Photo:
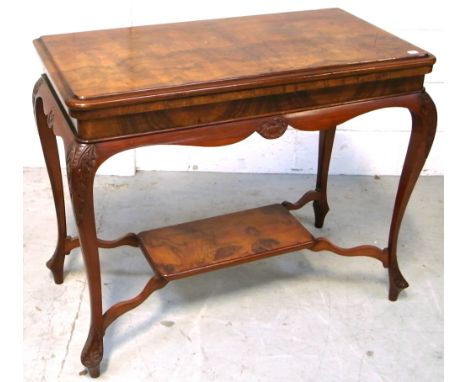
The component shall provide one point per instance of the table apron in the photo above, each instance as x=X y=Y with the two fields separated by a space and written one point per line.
x=97 y=125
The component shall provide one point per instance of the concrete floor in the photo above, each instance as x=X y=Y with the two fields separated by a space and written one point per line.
x=298 y=317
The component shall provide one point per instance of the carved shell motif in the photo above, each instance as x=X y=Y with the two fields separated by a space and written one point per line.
x=273 y=128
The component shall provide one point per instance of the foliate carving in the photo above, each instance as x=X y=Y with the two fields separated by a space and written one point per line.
x=93 y=350
x=273 y=128
x=81 y=165
x=94 y=356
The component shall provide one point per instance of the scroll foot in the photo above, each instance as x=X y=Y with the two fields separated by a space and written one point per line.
x=92 y=353
x=396 y=281
x=55 y=263
x=321 y=209
x=94 y=372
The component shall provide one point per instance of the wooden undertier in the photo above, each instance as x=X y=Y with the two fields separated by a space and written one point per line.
x=208 y=244
x=221 y=241
x=204 y=245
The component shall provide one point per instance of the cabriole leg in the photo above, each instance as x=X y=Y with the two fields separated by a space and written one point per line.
x=321 y=207
x=49 y=148
x=424 y=122
x=81 y=167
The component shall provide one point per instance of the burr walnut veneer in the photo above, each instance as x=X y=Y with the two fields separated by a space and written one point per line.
x=211 y=83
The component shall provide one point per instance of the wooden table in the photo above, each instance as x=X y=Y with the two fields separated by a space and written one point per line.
x=211 y=83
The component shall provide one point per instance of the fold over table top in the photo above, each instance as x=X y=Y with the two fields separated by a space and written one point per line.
x=127 y=66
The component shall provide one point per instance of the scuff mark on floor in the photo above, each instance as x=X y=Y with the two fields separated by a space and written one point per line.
x=67 y=348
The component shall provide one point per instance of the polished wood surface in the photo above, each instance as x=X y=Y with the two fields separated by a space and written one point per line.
x=137 y=80
x=221 y=241
x=102 y=124
x=132 y=64
x=104 y=93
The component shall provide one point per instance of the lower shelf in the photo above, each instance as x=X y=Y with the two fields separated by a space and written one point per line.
x=203 y=245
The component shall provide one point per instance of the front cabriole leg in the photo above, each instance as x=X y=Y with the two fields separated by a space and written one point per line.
x=81 y=167
x=424 y=122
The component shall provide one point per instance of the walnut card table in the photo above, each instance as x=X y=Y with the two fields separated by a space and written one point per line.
x=212 y=83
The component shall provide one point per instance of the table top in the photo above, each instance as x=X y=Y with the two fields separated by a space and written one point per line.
x=125 y=66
